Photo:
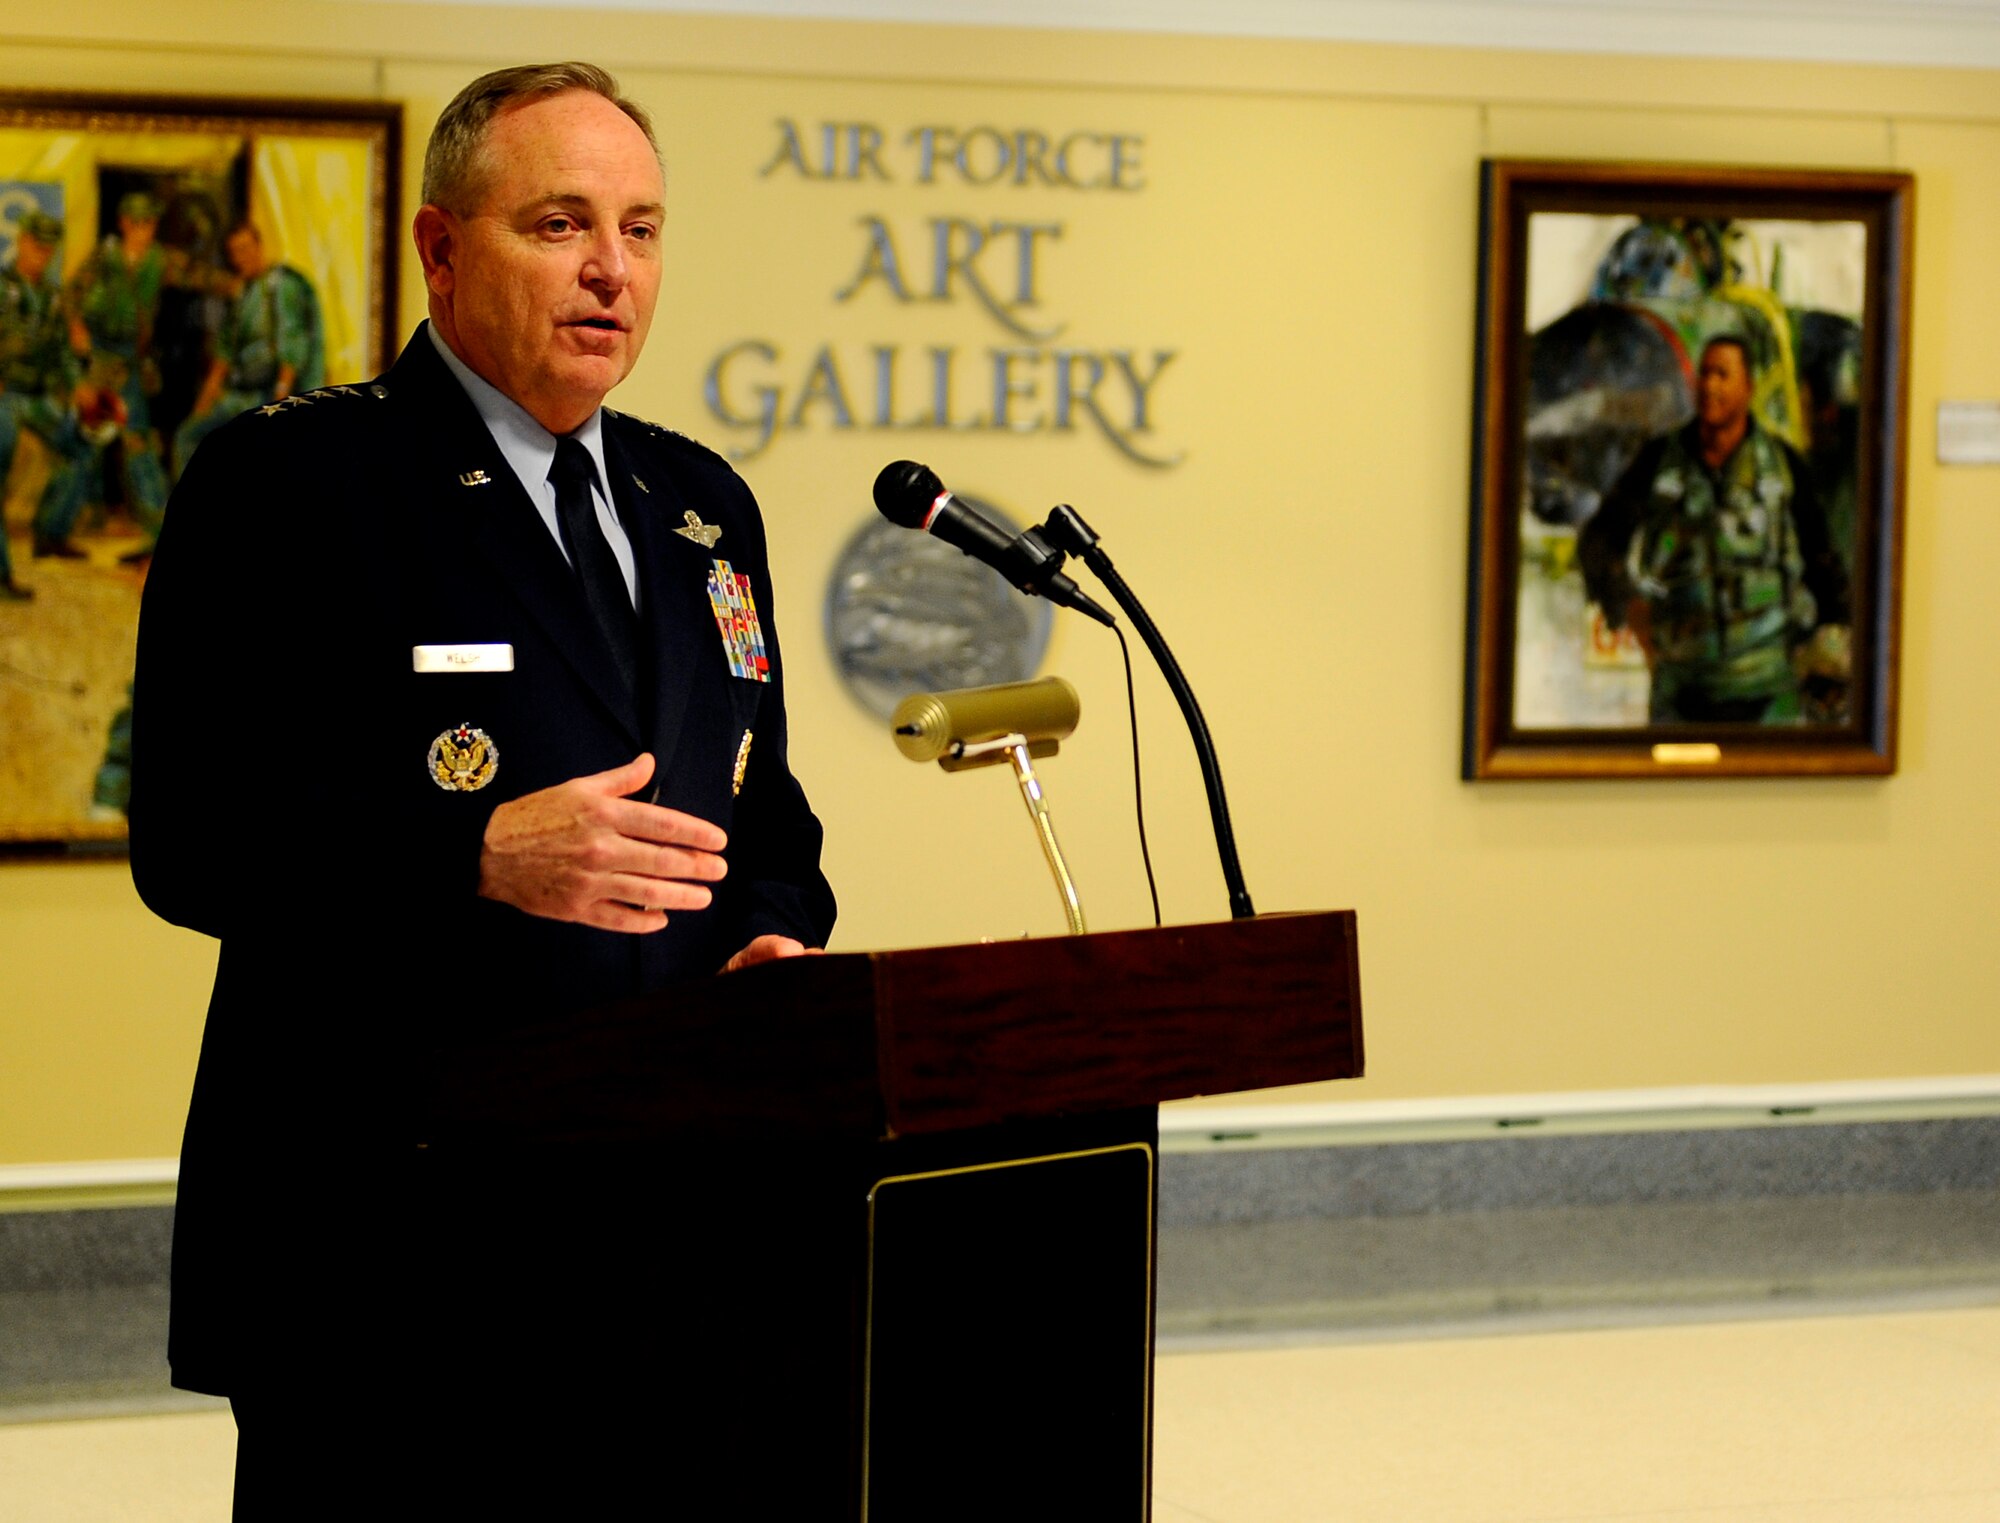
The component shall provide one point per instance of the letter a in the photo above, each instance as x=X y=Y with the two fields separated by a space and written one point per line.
x=878 y=262
x=790 y=151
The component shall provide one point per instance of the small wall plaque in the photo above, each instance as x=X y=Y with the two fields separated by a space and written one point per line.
x=1968 y=433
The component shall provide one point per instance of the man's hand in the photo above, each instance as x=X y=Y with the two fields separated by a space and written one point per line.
x=211 y=390
x=1639 y=619
x=1828 y=655
x=584 y=852
x=769 y=949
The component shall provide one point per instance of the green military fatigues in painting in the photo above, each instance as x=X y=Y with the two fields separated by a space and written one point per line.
x=37 y=372
x=1735 y=564
x=118 y=301
x=273 y=325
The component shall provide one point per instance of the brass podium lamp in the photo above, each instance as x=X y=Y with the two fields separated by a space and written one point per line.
x=978 y=726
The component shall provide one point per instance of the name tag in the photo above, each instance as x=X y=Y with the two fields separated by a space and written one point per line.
x=462 y=658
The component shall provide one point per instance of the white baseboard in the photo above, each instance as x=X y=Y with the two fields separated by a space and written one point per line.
x=140 y=1178
x=1195 y=1125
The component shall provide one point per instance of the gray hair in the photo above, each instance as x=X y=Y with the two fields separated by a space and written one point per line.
x=454 y=159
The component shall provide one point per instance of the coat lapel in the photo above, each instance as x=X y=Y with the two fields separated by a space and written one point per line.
x=471 y=479
x=674 y=616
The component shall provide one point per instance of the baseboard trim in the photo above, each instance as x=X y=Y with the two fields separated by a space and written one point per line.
x=95 y=1183
x=1203 y=1125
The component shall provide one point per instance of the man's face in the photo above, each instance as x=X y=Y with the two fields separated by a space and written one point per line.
x=546 y=288
x=1722 y=388
x=137 y=233
x=31 y=257
x=246 y=252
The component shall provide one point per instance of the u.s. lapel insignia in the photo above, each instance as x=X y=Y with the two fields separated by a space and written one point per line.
x=473 y=478
x=742 y=765
x=702 y=534
x=735 y=608
x=463 y=760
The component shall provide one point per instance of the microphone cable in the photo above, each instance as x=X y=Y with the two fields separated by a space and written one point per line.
x=1138 y=785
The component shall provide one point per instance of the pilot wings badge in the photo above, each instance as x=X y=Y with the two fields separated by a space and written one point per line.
x=702 y=534
x=463 y=760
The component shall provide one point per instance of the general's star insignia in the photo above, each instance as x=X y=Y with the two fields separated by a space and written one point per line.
x=463 y=760
x=702 y=534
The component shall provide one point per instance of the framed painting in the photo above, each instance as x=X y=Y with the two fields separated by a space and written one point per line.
x=165 y=264
x=1687 y=472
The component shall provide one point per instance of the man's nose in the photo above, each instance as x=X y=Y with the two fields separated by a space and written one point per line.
x=607 y=266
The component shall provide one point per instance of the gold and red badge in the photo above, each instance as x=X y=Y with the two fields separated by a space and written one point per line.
x=464 y=760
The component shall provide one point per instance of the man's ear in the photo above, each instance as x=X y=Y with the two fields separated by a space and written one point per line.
x=436 y=233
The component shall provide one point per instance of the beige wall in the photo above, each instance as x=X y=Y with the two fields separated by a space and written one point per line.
x=1306 y=242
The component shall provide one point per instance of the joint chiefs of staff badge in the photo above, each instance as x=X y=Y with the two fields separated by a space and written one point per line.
x=463 y=760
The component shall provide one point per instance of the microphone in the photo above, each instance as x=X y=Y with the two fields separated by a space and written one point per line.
x=911 y=495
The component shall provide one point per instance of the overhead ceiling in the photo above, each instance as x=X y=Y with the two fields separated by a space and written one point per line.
x=1946 y=32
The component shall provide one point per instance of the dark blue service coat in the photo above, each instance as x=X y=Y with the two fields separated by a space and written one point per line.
x=284 y=801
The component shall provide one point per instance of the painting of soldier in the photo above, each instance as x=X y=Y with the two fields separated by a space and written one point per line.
x=163 y=267
x=1687 y=502
x=268 y=345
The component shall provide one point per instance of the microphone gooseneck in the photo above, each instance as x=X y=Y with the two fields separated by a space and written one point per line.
x=911 y=495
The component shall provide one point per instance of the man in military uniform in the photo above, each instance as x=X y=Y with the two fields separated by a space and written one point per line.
x=451 y=744
x=1713 y=547
x=114 y=299
x=269 y=347
x=38 y=375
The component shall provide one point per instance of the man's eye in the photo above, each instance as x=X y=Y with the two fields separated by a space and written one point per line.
x=642 y=231
x=558 y=225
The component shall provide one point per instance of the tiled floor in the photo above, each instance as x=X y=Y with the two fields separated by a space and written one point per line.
x=1888 y=1417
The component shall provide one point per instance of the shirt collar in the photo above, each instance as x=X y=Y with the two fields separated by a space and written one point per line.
x=528 y=448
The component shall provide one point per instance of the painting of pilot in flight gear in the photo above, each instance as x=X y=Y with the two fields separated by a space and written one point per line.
x=1689 y=460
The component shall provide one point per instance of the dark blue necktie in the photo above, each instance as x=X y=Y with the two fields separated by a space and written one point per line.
x=604 y=590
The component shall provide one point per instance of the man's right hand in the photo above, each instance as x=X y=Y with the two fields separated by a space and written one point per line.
x=584 y=852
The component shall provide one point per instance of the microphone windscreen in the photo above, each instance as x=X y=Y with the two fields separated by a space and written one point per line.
x=905 y=491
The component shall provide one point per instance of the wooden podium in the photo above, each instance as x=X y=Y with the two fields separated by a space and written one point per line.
x=934 y=1175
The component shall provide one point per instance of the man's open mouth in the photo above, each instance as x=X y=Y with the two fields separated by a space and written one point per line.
x=606 y=324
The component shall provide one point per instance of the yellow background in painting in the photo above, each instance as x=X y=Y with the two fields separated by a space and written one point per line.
x=309 y=197
x=1307 y=242
x=71 y=160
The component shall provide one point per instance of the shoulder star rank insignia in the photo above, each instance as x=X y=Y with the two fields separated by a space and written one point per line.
x=463 y=760
x=702 y=534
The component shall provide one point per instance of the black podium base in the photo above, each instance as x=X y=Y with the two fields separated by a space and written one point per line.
x=1005 y=1352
